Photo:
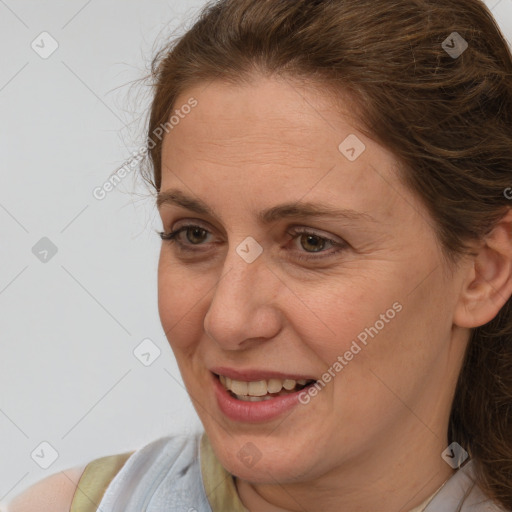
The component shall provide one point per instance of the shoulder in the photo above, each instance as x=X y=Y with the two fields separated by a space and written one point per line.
x=77 y=488
x=164 y=473
x=54 y=493
x=106 y=478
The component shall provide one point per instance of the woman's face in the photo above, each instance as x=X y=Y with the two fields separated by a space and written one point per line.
x=255 y=291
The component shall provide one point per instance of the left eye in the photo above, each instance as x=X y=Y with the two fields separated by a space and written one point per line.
x=195 y=235
x=315 y=241
x=318 y=242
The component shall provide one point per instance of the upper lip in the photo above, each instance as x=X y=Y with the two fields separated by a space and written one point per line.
x=253 y=375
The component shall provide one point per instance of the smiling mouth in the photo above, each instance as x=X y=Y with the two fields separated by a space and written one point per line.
x=257 y=391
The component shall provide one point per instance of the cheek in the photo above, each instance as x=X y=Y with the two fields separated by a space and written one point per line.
x=345 y=312
x=388 y=356
x=180 y=303
x=359 y=330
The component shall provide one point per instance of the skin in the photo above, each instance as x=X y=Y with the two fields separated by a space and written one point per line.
x=54 y=493
x=372 y=438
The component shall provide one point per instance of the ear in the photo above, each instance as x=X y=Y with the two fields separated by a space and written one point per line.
x=488 y=284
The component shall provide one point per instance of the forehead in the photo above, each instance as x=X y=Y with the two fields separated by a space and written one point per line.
x=276 y=141
x=267 y=113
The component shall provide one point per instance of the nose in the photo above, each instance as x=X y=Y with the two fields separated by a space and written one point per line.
x=243 y=309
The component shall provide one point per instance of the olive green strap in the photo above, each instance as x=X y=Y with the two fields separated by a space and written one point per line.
x=94 y=482
x=219 y=485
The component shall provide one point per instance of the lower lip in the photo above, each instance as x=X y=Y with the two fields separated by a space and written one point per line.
x=253 y=412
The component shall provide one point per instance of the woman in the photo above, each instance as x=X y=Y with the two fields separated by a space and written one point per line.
x=336 y=267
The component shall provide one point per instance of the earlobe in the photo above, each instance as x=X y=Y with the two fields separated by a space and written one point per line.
x=488 y=284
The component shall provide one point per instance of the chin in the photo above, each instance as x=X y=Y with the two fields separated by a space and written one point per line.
x=262 y=460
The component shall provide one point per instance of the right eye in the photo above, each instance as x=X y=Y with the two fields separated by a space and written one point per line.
x=193 y=232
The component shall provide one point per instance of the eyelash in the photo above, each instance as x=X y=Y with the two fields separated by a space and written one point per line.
x=294 y=233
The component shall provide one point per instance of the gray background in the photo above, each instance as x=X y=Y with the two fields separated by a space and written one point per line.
x=70 y=324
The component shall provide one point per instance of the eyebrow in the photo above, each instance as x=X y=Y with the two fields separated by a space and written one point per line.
x=294 y=209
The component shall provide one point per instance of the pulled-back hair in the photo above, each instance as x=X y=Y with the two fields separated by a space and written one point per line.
x=447 y=119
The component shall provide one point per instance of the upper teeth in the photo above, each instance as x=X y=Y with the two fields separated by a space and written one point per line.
x=260 y=387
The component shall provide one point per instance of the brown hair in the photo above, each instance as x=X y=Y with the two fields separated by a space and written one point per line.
x=447 y=119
